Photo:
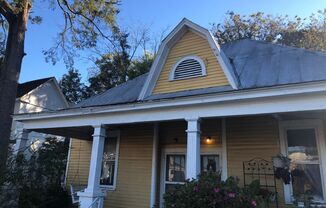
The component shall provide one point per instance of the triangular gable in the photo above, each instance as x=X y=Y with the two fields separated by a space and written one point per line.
x=185 y=26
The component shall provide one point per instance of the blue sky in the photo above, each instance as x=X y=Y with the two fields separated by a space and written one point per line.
x=156 y=14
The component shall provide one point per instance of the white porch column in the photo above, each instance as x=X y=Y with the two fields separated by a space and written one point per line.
x=21 y=141
x=224 y=151
x=193 y=148
x=92 y=196
x=154 y=165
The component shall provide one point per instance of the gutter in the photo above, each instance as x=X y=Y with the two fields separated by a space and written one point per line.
x=284 y=90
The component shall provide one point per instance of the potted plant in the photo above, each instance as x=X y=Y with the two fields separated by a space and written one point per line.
x=281 y=161
x=282 y=168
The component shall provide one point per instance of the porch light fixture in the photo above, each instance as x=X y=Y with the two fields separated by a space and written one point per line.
x=208 y=140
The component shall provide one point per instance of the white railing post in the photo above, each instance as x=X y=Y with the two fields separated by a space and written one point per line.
x=193 y=148
x=93 y=191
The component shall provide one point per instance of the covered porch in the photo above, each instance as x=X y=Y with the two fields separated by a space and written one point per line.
x=225 y=128
x=133 y=164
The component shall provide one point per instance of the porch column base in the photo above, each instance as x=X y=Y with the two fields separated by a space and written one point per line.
x=89 y=199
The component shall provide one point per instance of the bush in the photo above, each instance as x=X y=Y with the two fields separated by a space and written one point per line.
x=209 y=191
x=35 y=182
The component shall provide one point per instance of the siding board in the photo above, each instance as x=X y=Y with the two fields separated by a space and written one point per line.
x=191 y=44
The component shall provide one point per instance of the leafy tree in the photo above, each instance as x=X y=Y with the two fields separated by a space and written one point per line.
x=117 y=67
x=71 y=86
x=308 y=33
x=87 y=24
x=36 y=182
x=140 y=66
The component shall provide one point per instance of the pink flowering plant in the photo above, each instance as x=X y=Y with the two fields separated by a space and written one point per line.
x=209 y=191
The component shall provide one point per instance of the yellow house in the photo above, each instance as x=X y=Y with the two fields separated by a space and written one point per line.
x=201 y=106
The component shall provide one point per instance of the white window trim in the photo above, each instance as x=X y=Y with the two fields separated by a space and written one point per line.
x=183 y=151
x=200 y=61
x=316 y=124
x=115 y=133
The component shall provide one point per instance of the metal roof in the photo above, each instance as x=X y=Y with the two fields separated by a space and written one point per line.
x=125 y=93
x=260 y=64
x=254 y=63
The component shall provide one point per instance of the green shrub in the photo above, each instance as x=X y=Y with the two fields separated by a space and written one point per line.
x=209 y=191
x=35 y=182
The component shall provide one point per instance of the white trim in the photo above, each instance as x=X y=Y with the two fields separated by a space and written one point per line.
x=114 y=133
x=224 y=150
x=204 y=107
x=154 y=165
x=279 y=103
x=223 y=61
x=169 y=41
x=199 y=60
x=320 y=140
x=68 y=161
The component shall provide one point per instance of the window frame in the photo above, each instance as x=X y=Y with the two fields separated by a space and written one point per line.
x=200 y=61
x=317 y=125
x=115 y=133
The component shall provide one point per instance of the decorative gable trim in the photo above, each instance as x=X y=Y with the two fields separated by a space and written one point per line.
x=175 y=35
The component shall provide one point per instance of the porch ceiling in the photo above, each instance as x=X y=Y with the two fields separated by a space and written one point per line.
x=84 y=132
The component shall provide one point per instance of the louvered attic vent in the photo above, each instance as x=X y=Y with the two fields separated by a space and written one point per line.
x=188 y=67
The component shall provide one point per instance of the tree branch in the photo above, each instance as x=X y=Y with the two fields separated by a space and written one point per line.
x=7 y=10
x=88 y=19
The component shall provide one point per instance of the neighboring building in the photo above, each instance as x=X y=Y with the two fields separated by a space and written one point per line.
x=201 y=106
x=35 y=96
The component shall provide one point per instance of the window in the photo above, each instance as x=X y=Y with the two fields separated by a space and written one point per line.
x=110 y=161
x=305 y=165
x=175 y=171
x=188 y=67
x=304 y=143
x=210 y=163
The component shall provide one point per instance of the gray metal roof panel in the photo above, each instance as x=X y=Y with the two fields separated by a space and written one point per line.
x=261 y=64
x=125 y=93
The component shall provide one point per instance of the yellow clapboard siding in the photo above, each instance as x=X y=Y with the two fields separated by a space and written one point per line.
x=79 y=161
x=252 y=137
x=191 y=44
x=134 y=167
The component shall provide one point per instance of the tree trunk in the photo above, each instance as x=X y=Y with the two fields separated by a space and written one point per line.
x=9 y=76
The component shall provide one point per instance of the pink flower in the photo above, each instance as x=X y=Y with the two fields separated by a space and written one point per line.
x=231 y=195
x=216 y=190
x=253 y=203
x=196 y=189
